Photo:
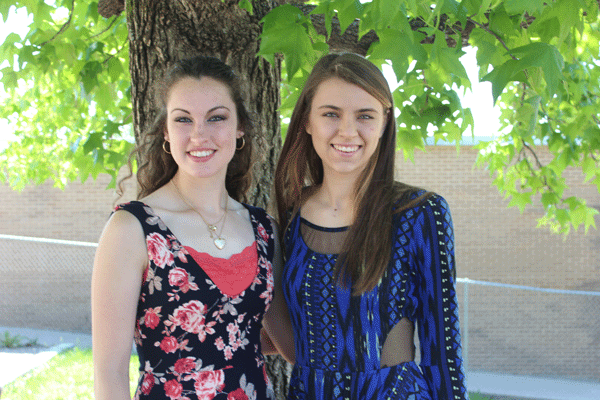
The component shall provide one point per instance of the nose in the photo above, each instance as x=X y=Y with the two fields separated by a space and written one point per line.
x=197 y=132
x=347 y=126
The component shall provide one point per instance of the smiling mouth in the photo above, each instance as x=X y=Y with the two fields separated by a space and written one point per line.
x=203 y=153
x=346 y=148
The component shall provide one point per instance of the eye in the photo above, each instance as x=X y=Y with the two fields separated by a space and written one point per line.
x=330 y=114
x=365 y=116
x=184 y=120
x=217 y=118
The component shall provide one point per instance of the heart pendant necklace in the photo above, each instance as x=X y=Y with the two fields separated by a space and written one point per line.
x=217 y=238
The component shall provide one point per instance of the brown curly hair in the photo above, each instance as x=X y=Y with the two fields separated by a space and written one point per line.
x=156 y=167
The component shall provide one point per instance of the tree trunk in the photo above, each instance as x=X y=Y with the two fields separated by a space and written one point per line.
x=161 y=32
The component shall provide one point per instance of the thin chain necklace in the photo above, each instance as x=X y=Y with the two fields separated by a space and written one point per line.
x=217 y=238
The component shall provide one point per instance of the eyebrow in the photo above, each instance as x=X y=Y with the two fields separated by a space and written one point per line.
x=339 y=109
x=209 y=111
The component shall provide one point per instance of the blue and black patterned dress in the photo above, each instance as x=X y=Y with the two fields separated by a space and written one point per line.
x=339 y=338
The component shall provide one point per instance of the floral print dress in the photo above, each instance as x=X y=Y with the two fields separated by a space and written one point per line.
x=194 y=342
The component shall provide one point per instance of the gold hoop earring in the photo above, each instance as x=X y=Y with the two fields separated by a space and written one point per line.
x=243 y=144
x=164 y=146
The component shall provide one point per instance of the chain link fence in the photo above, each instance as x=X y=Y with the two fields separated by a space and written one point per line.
x=45 y=283
x=529 y=331
x=506 y=329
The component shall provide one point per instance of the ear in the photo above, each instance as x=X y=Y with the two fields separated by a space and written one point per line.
x=307 y=128
x=239 y=134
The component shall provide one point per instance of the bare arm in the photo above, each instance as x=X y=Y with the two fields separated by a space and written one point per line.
x=116 y=281
x=277 y=322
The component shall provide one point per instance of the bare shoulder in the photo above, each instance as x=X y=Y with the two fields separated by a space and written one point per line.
x=123 y=238
x=123 y=222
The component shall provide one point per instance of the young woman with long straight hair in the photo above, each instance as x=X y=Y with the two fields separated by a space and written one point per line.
x=367 y=259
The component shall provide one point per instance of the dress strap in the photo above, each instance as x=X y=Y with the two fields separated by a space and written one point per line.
x=150 y=221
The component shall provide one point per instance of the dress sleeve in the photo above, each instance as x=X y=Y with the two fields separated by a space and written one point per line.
x=437 y=313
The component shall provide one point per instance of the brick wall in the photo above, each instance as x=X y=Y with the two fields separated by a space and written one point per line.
x=47 y=285
x=509 y=330
x=516 y=331
x=500 y=244
x=77 y=213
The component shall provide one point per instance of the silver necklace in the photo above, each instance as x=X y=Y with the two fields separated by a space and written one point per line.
x=217 y=238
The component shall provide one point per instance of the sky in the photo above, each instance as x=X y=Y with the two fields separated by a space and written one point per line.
x=479 y=98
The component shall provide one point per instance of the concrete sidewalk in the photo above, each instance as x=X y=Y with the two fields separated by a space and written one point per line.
x=525 y=387
x=49 y=338
x=18 y=361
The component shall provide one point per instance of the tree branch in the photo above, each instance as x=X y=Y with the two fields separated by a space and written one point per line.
x=64 y=27
x=485 y=28
x=113 y=55
x=537 y=160
x=107 y=28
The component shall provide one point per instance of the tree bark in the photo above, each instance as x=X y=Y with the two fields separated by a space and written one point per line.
x=161 y=32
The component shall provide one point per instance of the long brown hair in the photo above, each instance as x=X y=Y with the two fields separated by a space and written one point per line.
x=156 y=167
x=367 y=250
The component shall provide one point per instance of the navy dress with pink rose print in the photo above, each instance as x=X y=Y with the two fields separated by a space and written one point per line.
x=194 y=341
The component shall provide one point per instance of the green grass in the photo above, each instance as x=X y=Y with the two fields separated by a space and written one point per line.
x=69 y=376
x=10 y=342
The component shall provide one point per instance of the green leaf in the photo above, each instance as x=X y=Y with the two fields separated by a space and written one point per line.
x=448 y=59
x=527 y=114
x=500 y=22
x=541 y=55
x=394 y=45
x=545 y=56
x=89 y=75
x=96 y=47
x=520 y=200
x=383 y=12
x=93 y=142
x=408 y=141
x=567 y=13
x=592 y=11
x=115 y=69
x=4 y=7
x=520 y=6
x=11 y=38
x=549 y=199
x=589 y=219
x=284 y=32
x=246 y=5
x=9 y=78
x=348 y=12
x=327 y=9
x=589 y=168
x=452 y=7
x=473 y=7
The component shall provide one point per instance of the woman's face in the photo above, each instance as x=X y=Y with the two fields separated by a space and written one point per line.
x=202 y=126
x=345 y=123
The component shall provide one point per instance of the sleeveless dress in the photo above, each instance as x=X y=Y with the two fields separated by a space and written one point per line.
x=195 y=342
x=339 y=338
